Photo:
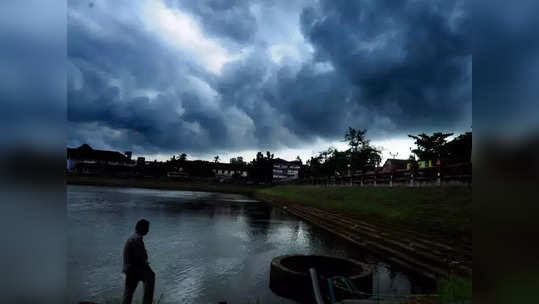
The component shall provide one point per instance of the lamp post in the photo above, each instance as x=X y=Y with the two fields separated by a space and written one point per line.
x=349 y=176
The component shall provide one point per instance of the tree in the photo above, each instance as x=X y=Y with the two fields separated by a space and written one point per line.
x=237 y=160
x=200 y=168
x=262 y=167
x=216 y=159
x=356 y=138
x=459 y=150
x=430 y=147
x=361 y=154
x=367 y=158
x=182 y=157
x=176 y=162
x=299 y=159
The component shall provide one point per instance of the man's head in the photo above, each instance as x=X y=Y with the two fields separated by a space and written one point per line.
x=142 y=227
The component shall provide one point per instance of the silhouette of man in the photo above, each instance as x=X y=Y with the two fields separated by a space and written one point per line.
x=136 y=266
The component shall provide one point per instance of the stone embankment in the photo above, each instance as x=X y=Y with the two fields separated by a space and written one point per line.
x=429 y=254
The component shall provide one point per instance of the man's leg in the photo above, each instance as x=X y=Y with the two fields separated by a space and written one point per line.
x=149 y=283
x=131 y=282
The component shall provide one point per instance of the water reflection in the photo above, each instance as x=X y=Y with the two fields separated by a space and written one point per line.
x=204 y=247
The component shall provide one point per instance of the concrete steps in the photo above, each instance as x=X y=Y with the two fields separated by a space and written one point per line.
x=406 y=238
x=411 y=250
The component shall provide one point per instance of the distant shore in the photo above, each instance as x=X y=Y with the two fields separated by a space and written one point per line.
x=440 y=208
x=164 y=184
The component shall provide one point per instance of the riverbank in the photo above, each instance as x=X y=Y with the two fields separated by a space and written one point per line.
x=447 y=210
x=444 y=211
x=426 y=230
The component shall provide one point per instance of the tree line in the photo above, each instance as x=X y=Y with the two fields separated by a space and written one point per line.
x=360 y=155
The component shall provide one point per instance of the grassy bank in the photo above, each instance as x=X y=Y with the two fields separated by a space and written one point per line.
x=448 y=209
x=455 y=290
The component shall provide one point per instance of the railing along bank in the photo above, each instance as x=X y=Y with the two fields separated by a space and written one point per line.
x=454 y=174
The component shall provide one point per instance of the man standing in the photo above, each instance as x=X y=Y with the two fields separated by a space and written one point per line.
x=136 y=266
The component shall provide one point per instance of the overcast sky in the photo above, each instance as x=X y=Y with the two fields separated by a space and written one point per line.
x=232 y=77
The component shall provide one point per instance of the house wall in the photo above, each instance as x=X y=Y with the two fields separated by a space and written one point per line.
x=283 y=171
x=222 y=172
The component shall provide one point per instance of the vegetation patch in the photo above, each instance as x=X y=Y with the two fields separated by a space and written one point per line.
x=447 y=209
x=455 y=289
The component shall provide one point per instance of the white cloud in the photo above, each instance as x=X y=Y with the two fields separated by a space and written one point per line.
x=323 y=67
x=279 y=29
x=395 y=147
x=240 y=126
x=183 y=33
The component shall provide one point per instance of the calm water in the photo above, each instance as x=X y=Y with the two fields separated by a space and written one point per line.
x=203 y=247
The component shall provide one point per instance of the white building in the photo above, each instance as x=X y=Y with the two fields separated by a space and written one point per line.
x=229 y=170
x=285 y=170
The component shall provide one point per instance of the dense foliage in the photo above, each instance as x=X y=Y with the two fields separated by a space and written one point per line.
x=261 y=169
x=436 y=147
x=360 y=156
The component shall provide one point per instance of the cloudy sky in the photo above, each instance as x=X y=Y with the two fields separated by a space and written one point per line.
x=232 y=77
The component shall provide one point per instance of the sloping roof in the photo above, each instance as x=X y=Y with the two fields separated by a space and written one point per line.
x=85 y=152
x=397 y=161
x=283 y=161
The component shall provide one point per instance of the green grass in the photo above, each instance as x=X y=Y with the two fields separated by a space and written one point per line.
x=443 y=208
x=455 y=290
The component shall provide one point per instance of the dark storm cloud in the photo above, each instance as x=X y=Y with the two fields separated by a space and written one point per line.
x=390 y=66
x=507 y=46
x=411 y=59
x=305 y=102
x=223 y=18
x=140 y=62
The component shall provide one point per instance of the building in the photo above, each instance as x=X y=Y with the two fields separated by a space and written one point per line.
x=84 y=159
x=425 y=164
x=224 y=170
x=422 y=164
x=395 y=164
x=285 y=170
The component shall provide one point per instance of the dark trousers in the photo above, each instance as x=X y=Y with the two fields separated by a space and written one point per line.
x=132 y=277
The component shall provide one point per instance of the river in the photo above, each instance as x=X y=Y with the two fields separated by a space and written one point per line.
x=204 y=247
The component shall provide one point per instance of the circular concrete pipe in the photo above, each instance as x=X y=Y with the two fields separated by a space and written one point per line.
x=289 y=274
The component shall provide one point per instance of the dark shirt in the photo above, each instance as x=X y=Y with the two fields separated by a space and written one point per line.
x=135 y=256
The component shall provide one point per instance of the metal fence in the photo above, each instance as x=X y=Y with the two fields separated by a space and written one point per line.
x=454 y=174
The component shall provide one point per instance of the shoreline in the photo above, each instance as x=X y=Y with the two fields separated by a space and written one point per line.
x=433 y=255
x=160 y=184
